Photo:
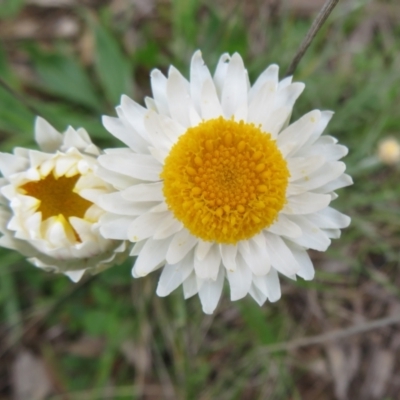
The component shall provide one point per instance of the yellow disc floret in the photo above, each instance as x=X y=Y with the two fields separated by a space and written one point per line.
x=58 y=199
x=225 y=180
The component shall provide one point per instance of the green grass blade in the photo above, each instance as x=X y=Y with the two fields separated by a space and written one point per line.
x=63 y=76
x=112 y=66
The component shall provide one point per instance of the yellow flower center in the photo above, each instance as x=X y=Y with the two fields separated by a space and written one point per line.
x=225 y=180
x=57 y=198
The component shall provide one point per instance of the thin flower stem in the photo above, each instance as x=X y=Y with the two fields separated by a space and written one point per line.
x=13 y=93
x=333 y=335
x=315 y=27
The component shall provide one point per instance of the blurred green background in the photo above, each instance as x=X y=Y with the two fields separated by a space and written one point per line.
x=111 y=337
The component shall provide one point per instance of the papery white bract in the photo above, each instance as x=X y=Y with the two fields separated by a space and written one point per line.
x=215 y=184
x=47 y=209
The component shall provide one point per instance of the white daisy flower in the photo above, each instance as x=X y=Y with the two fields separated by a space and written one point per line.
x=215 y=185
x=47 y=209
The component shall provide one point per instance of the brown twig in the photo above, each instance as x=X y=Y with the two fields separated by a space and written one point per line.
x=315 y=27
x=332 y=335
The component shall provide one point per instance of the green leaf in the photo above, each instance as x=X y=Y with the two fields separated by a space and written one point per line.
x=6 y=73
x=265 y=328
x=63 y=76
x=112 y=66
x=15 y=119
x=184 y=21
x=10 y=8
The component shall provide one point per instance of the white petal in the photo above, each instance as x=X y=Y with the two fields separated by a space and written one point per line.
x=313 y=237
x=32 y=225
x=220 y=72
x=256 y=255
x=210 y=104
x=190 y=286
x=75 y=276
x=181 y=244
x=37 y=157
x=330 y=218
x=276 y=121
x=155 y=130
x=178 y=97
x=343 y=181
x=288 y=95
x=239 y=279
x=210 y=292
x=115 y=203
x=10 y=164
x=115 y=226
x=273 y=286
x=202 y=249
x=151 y=256
x=134 y=114
x=84 y=229
x=118 y=150
x=144 y=192
x=140 y=166
x=326 y=116
x=262 y=102
x=208 y=267
x=295 y=135
x=173 y=275
x=145 y=225
x=172 y=129
x=63 y=165
x=228 y=254
x=306 y=203
x=48 y=138
x=127 y=135
x=270 y=75
x=199 y=73
x=280 y=114
x=159 y=154
x=159 y=208
x=119 y=181
x=194 y=117
x=282 y=258
x=159 y=89
x=137 y=247
x=257 y=295
x=306 y=270
x=285 y=227
x=150 y=104
x=84 y=136
x=325 y=146
x=327 y=173
x=241 y=113
x=301 y=167
x=167 y=227
x=73 y=139
x=56 y=234
x=234 y=91
x=285 y=82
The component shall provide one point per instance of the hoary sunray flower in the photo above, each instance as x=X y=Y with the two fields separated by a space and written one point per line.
x=214 y=184
x=46 y=207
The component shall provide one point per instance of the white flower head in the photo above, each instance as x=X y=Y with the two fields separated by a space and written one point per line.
x=47 y=209
x=389 y=151
x=215 y=184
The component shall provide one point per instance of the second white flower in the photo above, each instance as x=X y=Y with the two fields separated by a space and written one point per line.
x=215 y=184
